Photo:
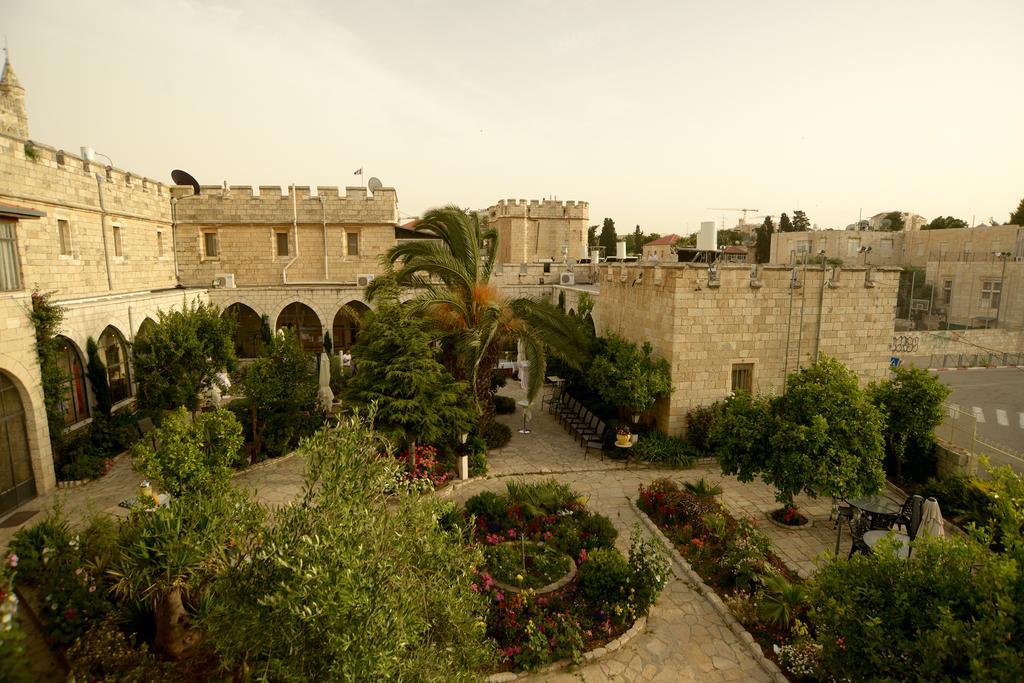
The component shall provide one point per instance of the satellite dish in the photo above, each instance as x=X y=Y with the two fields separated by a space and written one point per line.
x=182 y=178
x=374 y=184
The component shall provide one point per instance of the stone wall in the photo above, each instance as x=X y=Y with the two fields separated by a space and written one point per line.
x=246 y=226
x=705 y=325
x=64 y=186
x=927 y=343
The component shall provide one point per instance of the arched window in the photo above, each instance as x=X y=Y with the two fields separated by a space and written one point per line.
x=74 y=400
x=17 y=483
x=114 y=354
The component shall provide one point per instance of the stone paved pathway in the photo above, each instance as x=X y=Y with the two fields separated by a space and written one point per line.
x=685 y=638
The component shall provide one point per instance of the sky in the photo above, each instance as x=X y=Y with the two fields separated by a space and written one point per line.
x=652 y=112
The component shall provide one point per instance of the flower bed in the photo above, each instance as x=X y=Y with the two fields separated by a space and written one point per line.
x=428 y=472
x=527 y=565
x=733 y=557
x=605 y=598
x=789 y=517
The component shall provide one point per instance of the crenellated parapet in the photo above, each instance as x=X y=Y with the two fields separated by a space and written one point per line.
x=272 y=204
x=534 y=208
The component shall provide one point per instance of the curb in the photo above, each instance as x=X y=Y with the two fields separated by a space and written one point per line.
x=691 y=577
x=588 y=657
x=264 y=464
x=75 y=483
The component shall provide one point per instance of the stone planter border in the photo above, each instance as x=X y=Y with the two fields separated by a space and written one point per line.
x=588 y=657
x=694 y=579
x=551 y=587
x=789 y=527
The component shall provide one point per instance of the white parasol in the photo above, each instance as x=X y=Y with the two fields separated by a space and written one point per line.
x=931 y=520
x=325 y=394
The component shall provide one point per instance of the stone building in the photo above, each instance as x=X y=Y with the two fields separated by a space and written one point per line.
x=740 y=327
x=540 y=230
x=661 y=248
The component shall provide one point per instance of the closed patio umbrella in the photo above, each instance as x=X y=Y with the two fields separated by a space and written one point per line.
x=325 y=394
x=931 y=520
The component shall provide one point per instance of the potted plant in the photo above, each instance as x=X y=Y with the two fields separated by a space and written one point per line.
x=623 y=436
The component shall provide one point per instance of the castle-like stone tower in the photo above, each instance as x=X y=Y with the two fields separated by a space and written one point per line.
x=535 y=230
x=13 y=117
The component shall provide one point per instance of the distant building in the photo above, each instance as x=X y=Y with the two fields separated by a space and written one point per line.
x=661 y=248
x=911 y=221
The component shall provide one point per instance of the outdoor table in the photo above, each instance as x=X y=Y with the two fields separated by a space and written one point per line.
x=871 y=538
x=554 y=379
x=625 y=446
x=876 y=504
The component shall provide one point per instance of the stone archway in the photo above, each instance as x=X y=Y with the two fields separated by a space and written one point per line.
x=346 y=324
x=17 y=482
x=114 y=354
x=305 y=322
x=247 y=329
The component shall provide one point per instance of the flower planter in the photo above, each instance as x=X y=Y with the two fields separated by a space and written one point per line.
x=790 y=527
x=623 y=439
x=549 y=588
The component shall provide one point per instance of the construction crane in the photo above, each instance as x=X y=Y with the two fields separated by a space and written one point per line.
x=744 y=219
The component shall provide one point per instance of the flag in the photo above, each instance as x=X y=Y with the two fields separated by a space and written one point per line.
x=359 y=172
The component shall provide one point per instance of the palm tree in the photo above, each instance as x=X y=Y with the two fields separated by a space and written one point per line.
x=451 y=279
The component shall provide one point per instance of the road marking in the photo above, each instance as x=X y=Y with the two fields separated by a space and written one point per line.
x=978 y=415
x=1001 y=418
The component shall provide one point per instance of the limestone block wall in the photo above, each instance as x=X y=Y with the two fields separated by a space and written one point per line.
x=533 y=230
x=967 y=278
x=65 y=187
x=704 y=327
x=926 y=343
x=18 y=362
x=247 y=225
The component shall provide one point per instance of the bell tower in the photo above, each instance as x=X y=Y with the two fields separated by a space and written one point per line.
x=13 y=117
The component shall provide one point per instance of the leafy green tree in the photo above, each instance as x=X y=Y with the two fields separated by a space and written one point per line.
x=450 y=276
x=191 y=456
x=628 y=377
x=785 y=225
x=281 y=390
x=763 y=245
x=360 y=584
x=1017 y=217
x=894 y=221
x=635 y=241
x=416 y=399
x=800 y=221
x=266 y=334
x=911 y=404
x=687 y=241
x=592 y=235
x=945 y=223
x=828 y=436
x=608 y=237
x=822 y=437
x=96 y=371
x=181 y=355
x=328 y=344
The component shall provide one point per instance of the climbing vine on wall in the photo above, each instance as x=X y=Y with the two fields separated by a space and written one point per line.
x=46 y=319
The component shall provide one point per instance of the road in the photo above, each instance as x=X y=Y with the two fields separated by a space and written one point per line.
x=995 y=396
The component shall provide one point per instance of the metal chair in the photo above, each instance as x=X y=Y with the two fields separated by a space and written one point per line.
x=597 y=441
x=858 y=527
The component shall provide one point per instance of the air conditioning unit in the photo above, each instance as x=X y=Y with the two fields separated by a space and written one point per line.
x=225 y=281
x=364 y=280
x=567 y=279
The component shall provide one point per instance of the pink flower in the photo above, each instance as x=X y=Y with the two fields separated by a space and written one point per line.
x=475 y=588
x=492 y=539
x=12 y=560
x=499 y=596
x=511 y=533
x=92 y=588
x=583 y=555
x=548 y=535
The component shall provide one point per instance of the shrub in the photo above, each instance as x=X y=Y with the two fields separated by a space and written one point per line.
x=628 y=377
x=655 y=447
x=13 y=662
x=53 y=531
x=478 y=461
x=407 y=610
x=649 y=569
x=700 y=424
x=504 y=405
x=496 y=435
x=950 y=611
x=597 y=531
x=192 y=456
x=960 y=497
x=489 y=506
x=543 y=497
x=604 y=578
